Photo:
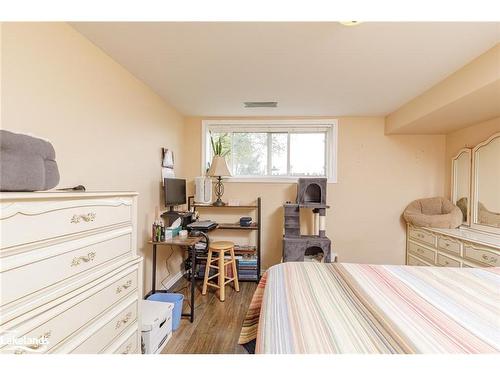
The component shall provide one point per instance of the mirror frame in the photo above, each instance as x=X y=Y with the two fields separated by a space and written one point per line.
x=454 y=197
x=482 y=227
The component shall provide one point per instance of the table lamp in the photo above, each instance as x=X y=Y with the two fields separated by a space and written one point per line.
x=219 y=169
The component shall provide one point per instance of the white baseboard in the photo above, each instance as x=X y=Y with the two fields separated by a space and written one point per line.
x=170 y=283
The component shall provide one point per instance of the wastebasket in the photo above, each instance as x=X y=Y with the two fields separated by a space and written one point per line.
x=176 y=299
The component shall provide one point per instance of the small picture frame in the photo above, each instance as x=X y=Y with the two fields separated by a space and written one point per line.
x=167 y=164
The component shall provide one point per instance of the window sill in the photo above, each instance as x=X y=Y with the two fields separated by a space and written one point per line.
x=270 y=180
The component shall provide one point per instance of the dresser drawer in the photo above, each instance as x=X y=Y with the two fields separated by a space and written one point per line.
x=111 y=329
x=422 y=252
x=64 y=320
x=422 y=236
x=130 y=346
x=24 y=274
x=450 y=245
x=482 y=255
x=445 y=261
x=413 y=261
x=31 y=221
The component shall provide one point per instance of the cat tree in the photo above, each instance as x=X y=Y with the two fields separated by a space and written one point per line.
x=311 y=194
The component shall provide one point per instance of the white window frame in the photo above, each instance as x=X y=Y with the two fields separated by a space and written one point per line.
x=313 y=125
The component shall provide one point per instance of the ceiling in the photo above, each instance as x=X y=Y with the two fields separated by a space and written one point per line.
x=311 y=69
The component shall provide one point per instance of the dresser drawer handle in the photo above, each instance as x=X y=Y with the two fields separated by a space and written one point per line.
x=420 y=235
x=125 y=286
x=127 y=349
x=84 y=258
x=447 y=244
x=124 y=320
x=489 y=259
x=84 y=217
x=40 y=346
x=419 y=250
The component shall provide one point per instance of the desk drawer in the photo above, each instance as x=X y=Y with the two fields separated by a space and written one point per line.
x=62 y=321
x=112 y=328
x=422 y=252
x=481 y=255
x=31 y=221
x=24 y=274
x=421 y=235
x=450 y=245
x=445 y=261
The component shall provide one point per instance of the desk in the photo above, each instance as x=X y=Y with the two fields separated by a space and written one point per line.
x=187 y=243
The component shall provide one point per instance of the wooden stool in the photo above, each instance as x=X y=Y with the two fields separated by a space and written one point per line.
x=220 y=247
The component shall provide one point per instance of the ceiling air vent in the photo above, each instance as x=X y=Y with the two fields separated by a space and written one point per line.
x=260 y=104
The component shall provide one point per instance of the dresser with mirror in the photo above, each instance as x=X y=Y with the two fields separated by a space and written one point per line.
x=475 y=189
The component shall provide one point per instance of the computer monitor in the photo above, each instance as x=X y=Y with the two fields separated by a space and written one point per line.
x=175 y=192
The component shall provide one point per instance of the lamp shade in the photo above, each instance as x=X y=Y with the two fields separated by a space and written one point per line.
x=219 y=167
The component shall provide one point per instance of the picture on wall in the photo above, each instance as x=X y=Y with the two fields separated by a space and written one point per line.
x=167 y=164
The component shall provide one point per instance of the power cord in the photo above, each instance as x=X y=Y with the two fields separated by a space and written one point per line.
x=166 y=266
x=186 y=287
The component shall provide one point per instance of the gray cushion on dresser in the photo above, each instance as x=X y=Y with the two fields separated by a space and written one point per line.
x=26 y=163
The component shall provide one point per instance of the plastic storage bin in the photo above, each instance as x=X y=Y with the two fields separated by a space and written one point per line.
x=177 y=299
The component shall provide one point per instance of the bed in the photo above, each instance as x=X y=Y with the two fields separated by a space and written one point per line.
x=359 y=308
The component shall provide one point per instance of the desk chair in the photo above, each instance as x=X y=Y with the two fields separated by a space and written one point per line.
x=220 y=248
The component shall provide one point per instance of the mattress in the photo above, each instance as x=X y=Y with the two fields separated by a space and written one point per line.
x=359 y=308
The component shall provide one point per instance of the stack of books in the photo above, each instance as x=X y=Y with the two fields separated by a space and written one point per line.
x=247 y=267
x=244 y=249
x=201 y=249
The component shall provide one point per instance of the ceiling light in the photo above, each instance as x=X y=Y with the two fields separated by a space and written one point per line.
x=260 y=104
x=350 y=23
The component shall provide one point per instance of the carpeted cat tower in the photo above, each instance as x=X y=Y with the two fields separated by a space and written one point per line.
x=311 y=194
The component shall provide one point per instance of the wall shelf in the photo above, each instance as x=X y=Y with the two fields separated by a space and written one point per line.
x=245 y=207
x=253 y=226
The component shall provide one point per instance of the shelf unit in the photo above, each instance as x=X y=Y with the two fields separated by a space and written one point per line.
x=255 y=226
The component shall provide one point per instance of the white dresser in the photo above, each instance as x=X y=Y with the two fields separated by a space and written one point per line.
x=451 y=248
x=70 y=277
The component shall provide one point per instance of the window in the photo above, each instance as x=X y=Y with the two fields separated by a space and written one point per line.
x=274 y=150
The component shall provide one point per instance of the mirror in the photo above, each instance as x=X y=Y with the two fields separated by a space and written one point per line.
x=460 y=184
x=486 y=161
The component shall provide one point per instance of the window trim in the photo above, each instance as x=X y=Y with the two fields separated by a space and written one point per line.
x=330 y=125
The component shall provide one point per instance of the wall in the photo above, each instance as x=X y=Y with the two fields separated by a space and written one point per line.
x=467 y=137
x=107 y=127
x=467 y=96
x=378 y=176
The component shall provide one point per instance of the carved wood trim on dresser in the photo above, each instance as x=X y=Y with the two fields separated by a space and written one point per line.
x=451 y=247
x=70 y=277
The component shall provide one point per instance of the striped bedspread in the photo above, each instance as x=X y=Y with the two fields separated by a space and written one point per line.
x=359 y=308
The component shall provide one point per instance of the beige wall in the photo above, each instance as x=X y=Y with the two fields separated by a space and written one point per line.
x=467 y=137
x=378 y=176
x=467 y=96
x=107 y=127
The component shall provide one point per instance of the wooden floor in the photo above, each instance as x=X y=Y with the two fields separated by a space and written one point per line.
x=217 y=325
